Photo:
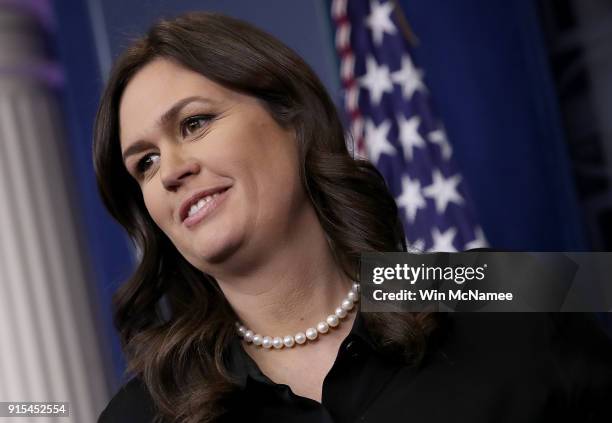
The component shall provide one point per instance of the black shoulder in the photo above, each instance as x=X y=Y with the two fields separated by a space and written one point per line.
x=584 y=358
x=568 y=353
x=568 y=334
x=132 y=403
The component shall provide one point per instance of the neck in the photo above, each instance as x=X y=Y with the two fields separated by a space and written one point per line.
x=291 y=288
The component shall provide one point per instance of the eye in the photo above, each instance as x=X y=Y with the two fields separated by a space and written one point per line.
x=194 y=124
x=146 y=162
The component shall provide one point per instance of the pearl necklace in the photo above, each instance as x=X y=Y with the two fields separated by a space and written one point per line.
x=311 y=333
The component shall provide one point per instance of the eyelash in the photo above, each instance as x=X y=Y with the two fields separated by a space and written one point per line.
x=142 y=167
x=191 y=119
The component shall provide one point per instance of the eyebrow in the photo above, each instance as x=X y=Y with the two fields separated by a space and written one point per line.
x=168 y=116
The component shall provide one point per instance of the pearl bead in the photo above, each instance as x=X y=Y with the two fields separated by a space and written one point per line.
x=267 y=342
x=347 y=305
x=277 y=342
x=333 y=320
x=311 y=333
x=300 y=337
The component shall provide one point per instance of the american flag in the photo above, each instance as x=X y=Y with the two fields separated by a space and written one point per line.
x=393 y=124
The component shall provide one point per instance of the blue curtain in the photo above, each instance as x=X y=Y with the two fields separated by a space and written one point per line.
x=486 y=65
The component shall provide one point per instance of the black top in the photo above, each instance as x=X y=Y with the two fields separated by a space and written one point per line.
x=485 y=367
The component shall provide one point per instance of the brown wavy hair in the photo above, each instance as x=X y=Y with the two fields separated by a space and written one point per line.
x=178 y=349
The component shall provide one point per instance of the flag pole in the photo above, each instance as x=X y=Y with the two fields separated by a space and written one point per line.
x=404 y=25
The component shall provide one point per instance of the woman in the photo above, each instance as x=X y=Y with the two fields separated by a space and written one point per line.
x=219 y=151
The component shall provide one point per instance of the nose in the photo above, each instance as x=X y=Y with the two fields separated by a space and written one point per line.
x=177 y=170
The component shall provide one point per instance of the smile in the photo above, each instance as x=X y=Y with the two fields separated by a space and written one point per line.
x=204 y=207
x=198 y=206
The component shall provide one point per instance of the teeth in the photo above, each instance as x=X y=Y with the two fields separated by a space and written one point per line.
x=201 y=202
x=194 y=209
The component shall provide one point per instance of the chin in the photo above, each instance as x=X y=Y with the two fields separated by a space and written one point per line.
x=216 y=249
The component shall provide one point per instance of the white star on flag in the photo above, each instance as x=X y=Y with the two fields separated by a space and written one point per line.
x=417 y=246
x=376 y=80
x=443 y=191
x=377 y=141
x=409 y=78
x=479 y=241
x=443 y=242
x=411 y=198
x=439 y=137
x=379 y=20
x=409 y=134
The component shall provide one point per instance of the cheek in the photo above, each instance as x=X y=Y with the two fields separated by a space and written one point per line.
x=278 y=183
x=157 y=209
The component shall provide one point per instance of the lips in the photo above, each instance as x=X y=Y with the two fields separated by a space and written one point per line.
x=193 y=199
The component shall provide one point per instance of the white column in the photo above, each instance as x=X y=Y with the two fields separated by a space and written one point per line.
x=49 y=348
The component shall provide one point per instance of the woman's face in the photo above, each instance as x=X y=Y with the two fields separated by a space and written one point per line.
x=218 y=175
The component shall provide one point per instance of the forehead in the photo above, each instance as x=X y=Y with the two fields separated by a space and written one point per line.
x=155 y=88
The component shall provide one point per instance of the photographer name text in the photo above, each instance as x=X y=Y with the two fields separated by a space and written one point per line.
x=436 y=295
